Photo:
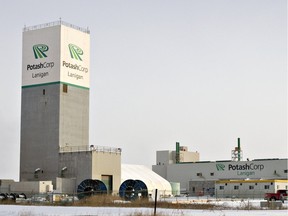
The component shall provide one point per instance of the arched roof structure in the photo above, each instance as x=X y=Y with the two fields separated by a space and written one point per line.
x=152 y=180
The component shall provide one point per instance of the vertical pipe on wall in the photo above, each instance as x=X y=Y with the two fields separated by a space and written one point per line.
x=239 y=150
x=177 y=152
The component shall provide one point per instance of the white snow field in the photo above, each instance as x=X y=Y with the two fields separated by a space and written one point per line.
x=28 y=210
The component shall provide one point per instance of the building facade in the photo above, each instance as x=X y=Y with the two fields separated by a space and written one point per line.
x=248 y=188
x=101 y=163
x=200 y=177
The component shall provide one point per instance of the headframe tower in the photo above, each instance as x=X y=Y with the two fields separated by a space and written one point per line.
x=55 y=96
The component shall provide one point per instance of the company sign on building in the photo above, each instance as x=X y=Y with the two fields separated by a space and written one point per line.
x=45 y=61
x=244 y=169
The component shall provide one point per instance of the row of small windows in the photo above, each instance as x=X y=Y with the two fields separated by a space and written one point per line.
x=255 y=183
x=65 y=89
x=251 y=187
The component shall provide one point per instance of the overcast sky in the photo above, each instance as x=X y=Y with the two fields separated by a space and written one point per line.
x=198 y=72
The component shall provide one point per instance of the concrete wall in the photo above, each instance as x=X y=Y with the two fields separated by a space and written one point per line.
x=74 y=117
x=169 y=157
x=66 y=185
x=5 y=185
x=161 y=170
x=29 y=188
x=91 y=164
x=186 y=156
x=164 y=157
x=39 y=132
x=107 y=163
x=49 y=121
x=78 y=164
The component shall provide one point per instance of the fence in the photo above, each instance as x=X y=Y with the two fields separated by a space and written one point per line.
x=51 y=197
x=163 y=196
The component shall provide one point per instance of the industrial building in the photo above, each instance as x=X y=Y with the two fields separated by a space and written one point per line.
x=54 y=146
x=248 y=188
x=55 y=153
x=207 y=177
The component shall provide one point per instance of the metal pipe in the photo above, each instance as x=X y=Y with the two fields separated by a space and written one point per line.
x=239 y=150
x=177 y=152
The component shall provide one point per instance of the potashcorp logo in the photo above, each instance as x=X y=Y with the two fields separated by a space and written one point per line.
x=39 y=50
x=75 y=52
x=220 y=167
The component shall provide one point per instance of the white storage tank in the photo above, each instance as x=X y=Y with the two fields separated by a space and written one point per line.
x=175 y=188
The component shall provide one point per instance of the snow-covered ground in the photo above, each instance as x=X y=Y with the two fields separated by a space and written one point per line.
x=27 y=210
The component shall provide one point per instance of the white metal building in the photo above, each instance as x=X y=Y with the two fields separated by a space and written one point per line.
x=200 y=177
x=248 y=188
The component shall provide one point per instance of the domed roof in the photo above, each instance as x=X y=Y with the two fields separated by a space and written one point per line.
x=151 y=179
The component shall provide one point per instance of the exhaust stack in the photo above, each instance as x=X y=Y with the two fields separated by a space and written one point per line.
x=239 y=150
x=177 y=152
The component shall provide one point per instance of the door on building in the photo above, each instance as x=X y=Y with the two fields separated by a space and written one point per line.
x=108 y=181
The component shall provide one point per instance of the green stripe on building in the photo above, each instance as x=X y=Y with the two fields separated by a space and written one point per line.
x=53 y=83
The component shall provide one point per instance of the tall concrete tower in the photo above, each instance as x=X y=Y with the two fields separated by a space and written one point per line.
x=55 y=96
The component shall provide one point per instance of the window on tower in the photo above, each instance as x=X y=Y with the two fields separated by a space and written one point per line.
x=65 y=88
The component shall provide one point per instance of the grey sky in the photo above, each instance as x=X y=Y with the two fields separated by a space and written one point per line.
x=201 y=72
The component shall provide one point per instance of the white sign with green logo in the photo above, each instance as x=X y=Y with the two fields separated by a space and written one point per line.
x=244 y=169
x=56 y=54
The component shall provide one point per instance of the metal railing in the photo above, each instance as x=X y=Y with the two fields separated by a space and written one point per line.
x=56 y=23
x=106 y=149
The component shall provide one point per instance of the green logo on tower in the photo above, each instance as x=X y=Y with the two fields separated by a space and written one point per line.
x=220 y=167
x=39 y=50
x=75 y=52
